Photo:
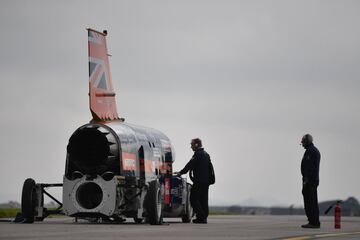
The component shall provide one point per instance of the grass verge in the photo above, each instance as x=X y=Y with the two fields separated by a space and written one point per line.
x=9 y=212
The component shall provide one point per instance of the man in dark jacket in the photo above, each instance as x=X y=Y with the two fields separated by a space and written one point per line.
x=199 y=166
x=310 y=178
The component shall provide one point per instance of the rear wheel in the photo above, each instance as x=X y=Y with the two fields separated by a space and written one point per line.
x=154 y=203
x=186 y=218
x=29 y=200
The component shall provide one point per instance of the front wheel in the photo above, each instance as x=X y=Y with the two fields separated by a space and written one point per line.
x=29 y=200
x=154 y=203
x=186 y=218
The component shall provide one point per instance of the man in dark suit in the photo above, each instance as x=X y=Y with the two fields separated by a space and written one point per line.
x=310 y=177
x=199 y=166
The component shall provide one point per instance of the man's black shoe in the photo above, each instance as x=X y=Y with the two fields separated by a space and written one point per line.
x=309 y=225
x=199 y=221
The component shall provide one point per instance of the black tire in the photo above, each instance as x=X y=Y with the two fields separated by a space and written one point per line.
x=154 y=203
x=29 y=200
x=186 y=218
x=138 y=220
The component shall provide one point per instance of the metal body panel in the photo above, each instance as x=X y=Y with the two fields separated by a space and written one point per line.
x=71 y=205
x=155 y=144
x=126 y=141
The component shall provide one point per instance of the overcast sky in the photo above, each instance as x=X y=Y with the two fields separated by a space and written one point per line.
x=248 y=77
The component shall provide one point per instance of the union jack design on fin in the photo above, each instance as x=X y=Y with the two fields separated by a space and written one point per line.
x=101 y=92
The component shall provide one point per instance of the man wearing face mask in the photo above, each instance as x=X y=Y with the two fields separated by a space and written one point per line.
x=199 y=166
x=310 y=175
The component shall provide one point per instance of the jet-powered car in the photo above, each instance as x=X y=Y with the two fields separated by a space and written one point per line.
x=114 y=170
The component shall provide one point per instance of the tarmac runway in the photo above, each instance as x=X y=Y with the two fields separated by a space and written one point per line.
x=218 y=227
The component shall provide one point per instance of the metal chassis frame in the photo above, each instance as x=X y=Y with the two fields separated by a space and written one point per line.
x=46 y=213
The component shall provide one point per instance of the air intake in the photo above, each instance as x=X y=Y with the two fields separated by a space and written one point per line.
x=93 y=150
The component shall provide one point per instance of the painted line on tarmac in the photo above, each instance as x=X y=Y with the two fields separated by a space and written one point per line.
x=323 y=235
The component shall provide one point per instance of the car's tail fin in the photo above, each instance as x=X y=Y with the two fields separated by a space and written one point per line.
x=101 y=92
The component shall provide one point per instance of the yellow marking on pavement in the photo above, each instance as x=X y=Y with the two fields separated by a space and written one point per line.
x=336 y=234
x=298 y=238
x=324 y=235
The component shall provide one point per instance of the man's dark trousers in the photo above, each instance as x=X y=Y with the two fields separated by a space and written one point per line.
x=309 y=192
x=199 y=200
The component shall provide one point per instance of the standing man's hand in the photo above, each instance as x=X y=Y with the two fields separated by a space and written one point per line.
x=178 y=174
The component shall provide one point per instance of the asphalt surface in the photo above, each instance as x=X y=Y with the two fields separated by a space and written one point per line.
x=218 y=227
